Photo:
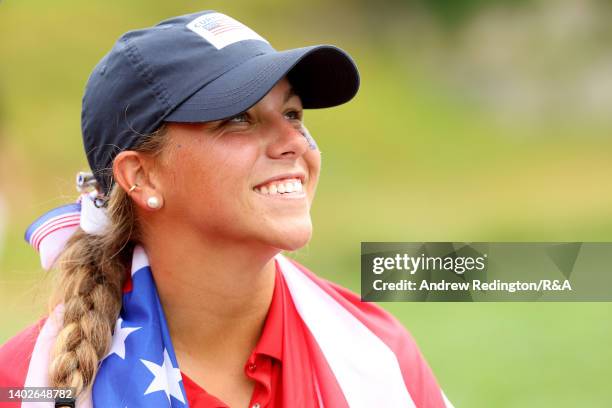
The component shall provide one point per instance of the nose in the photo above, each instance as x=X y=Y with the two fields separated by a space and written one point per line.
x=287 y=142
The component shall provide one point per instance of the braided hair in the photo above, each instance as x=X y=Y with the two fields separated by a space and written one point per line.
x=91 y=272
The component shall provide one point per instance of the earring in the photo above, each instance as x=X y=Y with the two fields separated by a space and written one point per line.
x=153 y=202
x=134 y=187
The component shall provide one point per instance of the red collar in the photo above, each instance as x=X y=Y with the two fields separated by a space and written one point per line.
x=271 y=340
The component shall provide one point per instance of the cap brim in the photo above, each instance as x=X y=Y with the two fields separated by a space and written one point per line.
x=322 y=75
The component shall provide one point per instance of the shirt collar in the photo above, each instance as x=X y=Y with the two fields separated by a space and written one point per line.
x=271 y=340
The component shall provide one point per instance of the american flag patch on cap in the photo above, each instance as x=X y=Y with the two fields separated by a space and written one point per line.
x=221 y=30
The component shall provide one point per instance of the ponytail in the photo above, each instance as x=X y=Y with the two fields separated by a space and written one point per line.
x=91 y=272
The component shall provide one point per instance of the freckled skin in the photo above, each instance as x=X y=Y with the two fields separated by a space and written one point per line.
x=208 y=172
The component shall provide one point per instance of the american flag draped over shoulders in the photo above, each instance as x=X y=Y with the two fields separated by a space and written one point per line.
x=358 y=355
x=140 y=369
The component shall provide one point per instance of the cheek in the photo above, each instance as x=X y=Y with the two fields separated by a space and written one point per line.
x=207 y=173
x=313 y=163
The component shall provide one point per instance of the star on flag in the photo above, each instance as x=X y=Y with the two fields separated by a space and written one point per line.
x=119 y=337
x=166 y=378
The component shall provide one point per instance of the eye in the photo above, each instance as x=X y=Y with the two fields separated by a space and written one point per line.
x=294 y=115
x=239 y=118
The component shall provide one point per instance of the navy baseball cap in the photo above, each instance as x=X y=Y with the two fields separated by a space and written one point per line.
x=198 y=67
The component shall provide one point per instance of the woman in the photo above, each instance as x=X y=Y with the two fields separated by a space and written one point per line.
x=202 y=173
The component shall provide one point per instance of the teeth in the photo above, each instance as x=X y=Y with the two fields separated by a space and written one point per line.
x=277 y=187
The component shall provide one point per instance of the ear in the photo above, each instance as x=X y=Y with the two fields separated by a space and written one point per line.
x=132 y=168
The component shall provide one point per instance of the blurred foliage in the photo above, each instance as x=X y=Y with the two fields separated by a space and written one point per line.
x=450 y=13
x=476 y=121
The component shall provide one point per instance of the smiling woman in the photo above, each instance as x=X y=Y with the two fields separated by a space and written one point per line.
x=172 y=290
x=242 y=175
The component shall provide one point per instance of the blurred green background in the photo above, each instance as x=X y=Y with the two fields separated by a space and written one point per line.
x=476 y=121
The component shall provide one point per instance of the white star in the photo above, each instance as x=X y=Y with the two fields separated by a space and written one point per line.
x=166 y=378
x=118 y=346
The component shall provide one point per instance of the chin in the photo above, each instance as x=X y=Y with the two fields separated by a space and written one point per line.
x=294 y=238
x=295 y=244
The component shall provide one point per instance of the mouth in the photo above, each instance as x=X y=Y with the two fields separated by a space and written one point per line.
x=285 y=187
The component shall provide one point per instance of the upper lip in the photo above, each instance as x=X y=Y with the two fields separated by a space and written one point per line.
x=298 y=175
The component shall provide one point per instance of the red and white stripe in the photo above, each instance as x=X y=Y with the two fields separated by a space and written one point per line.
x=68 y=220
x=374 y=360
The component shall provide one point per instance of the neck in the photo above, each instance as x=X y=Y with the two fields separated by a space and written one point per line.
x=215 y=296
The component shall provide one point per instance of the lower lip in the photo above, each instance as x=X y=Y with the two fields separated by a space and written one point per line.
x=285 y=196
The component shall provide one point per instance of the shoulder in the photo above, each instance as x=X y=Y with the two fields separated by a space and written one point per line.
x=16 y=353
x=417 y=375
x=374 y=317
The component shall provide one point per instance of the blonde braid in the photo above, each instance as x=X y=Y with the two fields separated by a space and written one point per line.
x=91 y=273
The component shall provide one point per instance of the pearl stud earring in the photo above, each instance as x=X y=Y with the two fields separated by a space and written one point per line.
x=153 y=202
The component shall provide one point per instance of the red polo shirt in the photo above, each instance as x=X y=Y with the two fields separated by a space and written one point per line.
x=265 y=362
